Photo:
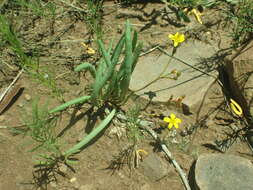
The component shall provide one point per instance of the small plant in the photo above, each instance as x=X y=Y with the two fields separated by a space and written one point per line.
x=28 y=63
x=134 y=133
x=110 y=85
x=41 y=128
x=11 y=38
x=241 y=16
x=37 y=7
x=94 y=17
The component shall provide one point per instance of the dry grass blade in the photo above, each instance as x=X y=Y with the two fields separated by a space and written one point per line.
x=9 y=97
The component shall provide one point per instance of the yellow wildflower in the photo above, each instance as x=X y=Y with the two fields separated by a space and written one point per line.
x=177 y=38
x=88 y=49
x=197 y=15
x=235 y=107
x=172 y=120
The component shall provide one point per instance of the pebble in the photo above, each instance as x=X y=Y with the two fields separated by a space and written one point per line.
x=21 y=105
x=63 y=168
x=28 y=97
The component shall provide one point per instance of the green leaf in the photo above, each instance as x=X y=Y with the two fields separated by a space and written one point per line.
x=69 y=103
x=76 y=148
x=86 y=66
x=183 y=16
x=105 y=54
x=136 y=55
x=135 y=39
x=118 y=49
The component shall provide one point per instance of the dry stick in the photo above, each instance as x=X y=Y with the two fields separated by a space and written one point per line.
x=9 y=87
x=164 y=147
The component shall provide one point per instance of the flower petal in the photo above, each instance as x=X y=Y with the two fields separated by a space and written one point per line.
x=172 y=116
x=166 y=119
x=236 y=107
x=172 y=37
x=175 y=43
x=175 y=125
x=170 y=125
x=177 y=120
x=181 y=38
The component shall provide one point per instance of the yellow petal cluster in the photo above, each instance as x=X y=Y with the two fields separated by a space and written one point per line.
x=172 y=120
x=177 y=38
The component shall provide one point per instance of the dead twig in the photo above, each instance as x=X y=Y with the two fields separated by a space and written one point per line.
x=9 y=87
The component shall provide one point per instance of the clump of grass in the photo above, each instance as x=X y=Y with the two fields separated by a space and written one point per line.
x=11 y=39
x=94 y=17
x=28 y=63
x=37 y=7
x=241 y=17
x=41 y=128
x=134 y=132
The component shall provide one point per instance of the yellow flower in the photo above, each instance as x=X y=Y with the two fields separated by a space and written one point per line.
x=172 y=120
x=90 y=51
x=235 y=107
x=177 y=38
x=196 y=13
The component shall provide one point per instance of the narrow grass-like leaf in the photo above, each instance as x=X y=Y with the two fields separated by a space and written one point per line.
x=110 y=47
x=93 y=134
x=135 y=39
x=127 y=67
x=86 y=66
x=105 y=54
x=69 y=103
x=136 y=55
x=118 y=49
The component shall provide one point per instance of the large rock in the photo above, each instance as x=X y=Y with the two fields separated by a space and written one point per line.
x=192 y=83
x=223 y=172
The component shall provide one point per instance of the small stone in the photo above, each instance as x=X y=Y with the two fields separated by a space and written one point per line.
x=21 y=105
x=223 y=172
x=28 y=97
x=72 y=180
x=154 y=167
x=63 y=168
x=2 y=118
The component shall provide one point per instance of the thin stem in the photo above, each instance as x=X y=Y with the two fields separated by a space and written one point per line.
x=157 y=78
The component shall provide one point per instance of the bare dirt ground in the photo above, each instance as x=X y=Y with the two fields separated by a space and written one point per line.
x=59 y=50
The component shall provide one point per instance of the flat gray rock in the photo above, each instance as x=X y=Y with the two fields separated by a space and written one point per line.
x=192 y=83
x=223 y=172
